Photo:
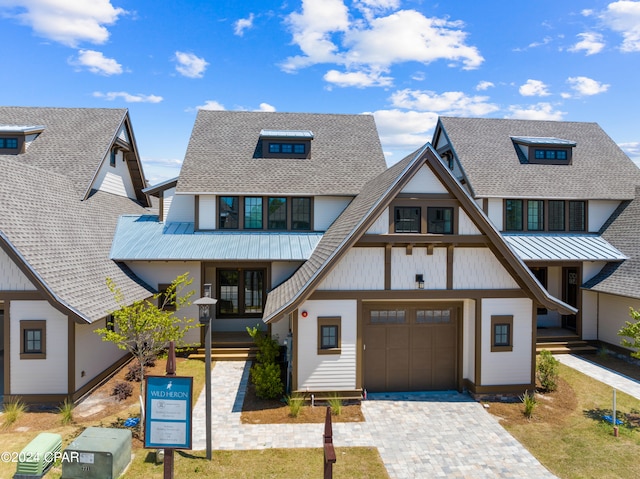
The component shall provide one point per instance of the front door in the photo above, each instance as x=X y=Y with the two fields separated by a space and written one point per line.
x=570 y=285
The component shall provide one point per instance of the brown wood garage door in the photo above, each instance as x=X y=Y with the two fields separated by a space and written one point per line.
x=410 y=347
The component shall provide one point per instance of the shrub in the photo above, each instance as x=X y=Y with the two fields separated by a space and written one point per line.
x=336 y=405
x=268 y=348
x=66 y=412
x=122 y=390
x=266 y=378
x=529 y=401
x=12 y=411
x=295 y=405
x=547 y=371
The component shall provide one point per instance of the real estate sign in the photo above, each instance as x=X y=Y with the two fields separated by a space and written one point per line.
x=168 y=412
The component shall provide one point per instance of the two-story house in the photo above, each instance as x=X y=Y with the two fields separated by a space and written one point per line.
x=562 y=196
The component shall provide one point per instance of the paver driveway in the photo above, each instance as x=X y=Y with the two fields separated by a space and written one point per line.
x=418 y=435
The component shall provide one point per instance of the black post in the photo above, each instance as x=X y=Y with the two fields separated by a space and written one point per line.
x=329 y=451
x=171 y=371
x=207 y=368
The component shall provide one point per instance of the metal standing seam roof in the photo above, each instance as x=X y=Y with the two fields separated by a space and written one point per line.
x=562 y=247
x=144 y=238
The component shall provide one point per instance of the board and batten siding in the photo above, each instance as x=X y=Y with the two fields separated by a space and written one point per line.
x=327 y=372
x=507 y=367
x=404 y=268
x=92 y=354
x=359 y=269
x=39 y=376
x=11 y=278
x=115 y=179
x=478 y=268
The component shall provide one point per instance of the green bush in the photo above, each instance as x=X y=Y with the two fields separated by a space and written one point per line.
x=295 y=405
x=268 y=348
x=529 y=401
x=12 y=411
x=547 y=371
x=266 y=378
x=65 y=411
x=336 y=405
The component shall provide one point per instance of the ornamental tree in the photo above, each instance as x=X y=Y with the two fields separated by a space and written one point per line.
x=632 y=331
x=144 y=329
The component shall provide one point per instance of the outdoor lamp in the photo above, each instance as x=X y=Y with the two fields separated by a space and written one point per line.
x=419 y=281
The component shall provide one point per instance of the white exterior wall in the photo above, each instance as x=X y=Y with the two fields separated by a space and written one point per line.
x=181 y=209
x=552 y=319
x=327 y=372
x=599 y=213
x=282 y=270
x=167 y=200
x=589 y=315
x=495 y=212
x=207 y=212
x=381 y=225
x=326 y=209
x=613 y=311
x=478 y=268
x=115 y=180
x=508 y=367
x=39 y=376
x=591 y=268
x=424 y=181
x=465 y=225
x=11 y=278
x=404 y=268
x=280 y=329
x=359 y=269
x=469 y=340
x=164 y=272
x=93 y=354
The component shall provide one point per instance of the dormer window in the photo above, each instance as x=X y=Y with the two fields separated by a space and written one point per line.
x=9 y=143
x=15 y=139
x=543 y=151
x=284 y=144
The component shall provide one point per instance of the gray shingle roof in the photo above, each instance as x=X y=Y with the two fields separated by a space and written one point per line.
x=345 y=154
x=622 y=231
x=63 y=241
x=599 y=169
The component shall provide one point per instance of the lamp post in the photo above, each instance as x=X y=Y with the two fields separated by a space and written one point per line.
x=205 y=306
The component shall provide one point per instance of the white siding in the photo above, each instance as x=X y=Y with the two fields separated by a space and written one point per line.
x=182 y=209
x=167 y=200
x=39 y=376
x=495 y=212
x=404 y=268
x=11 y=278
x=280 y=329
x=115 y=179
x=207 y=212
x=599 y=213
x=326 y=209
x=381 y=225
x=589 y=315
x=591 y=268
x=93 y=355
x=469 y=340
x=162 y=272
x=424 y=181
x=613 y=311
x=327 y=372
x=465 y=225
x=282 y=270
x=478 y=268
x=359 y=269
x=552 y=319
x=123 y=135
x=509 y=367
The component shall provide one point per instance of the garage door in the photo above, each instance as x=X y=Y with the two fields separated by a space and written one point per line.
x=410 y=347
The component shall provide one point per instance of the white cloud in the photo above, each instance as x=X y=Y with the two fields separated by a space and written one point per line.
x=449 y=103
x=128 y=97
x=66 y=21
x=590 y=42
x=358 y=79
x=484 y=85
x=624 y=17
x=96 y=62
x=584 y=86
x=190 y=65
x=243 y=24
x=266 y=107
x=211 y=105
x=632 y=149
x=540 y=111
x=325 y=32
x=534 y=88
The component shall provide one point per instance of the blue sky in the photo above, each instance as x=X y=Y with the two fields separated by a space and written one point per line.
x=406 y=62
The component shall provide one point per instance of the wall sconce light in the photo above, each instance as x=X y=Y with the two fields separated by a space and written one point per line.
x=305 y=314
x=419 y=281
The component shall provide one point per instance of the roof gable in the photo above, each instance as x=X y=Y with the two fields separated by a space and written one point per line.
x=363 y=211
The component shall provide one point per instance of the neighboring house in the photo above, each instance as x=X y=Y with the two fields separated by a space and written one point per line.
x=381 y=279
x=66 y=175
x=563 y=195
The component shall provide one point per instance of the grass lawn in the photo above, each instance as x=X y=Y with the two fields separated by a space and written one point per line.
x=567 y=434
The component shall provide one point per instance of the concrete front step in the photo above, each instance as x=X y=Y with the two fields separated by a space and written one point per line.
x=566 y=347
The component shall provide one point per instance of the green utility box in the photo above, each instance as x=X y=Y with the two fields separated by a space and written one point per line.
x=38 y=456
x=98 y=453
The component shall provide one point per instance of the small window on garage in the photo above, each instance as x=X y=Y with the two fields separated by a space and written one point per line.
x=329 y=335
x=33 y=339
x=501 y=333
